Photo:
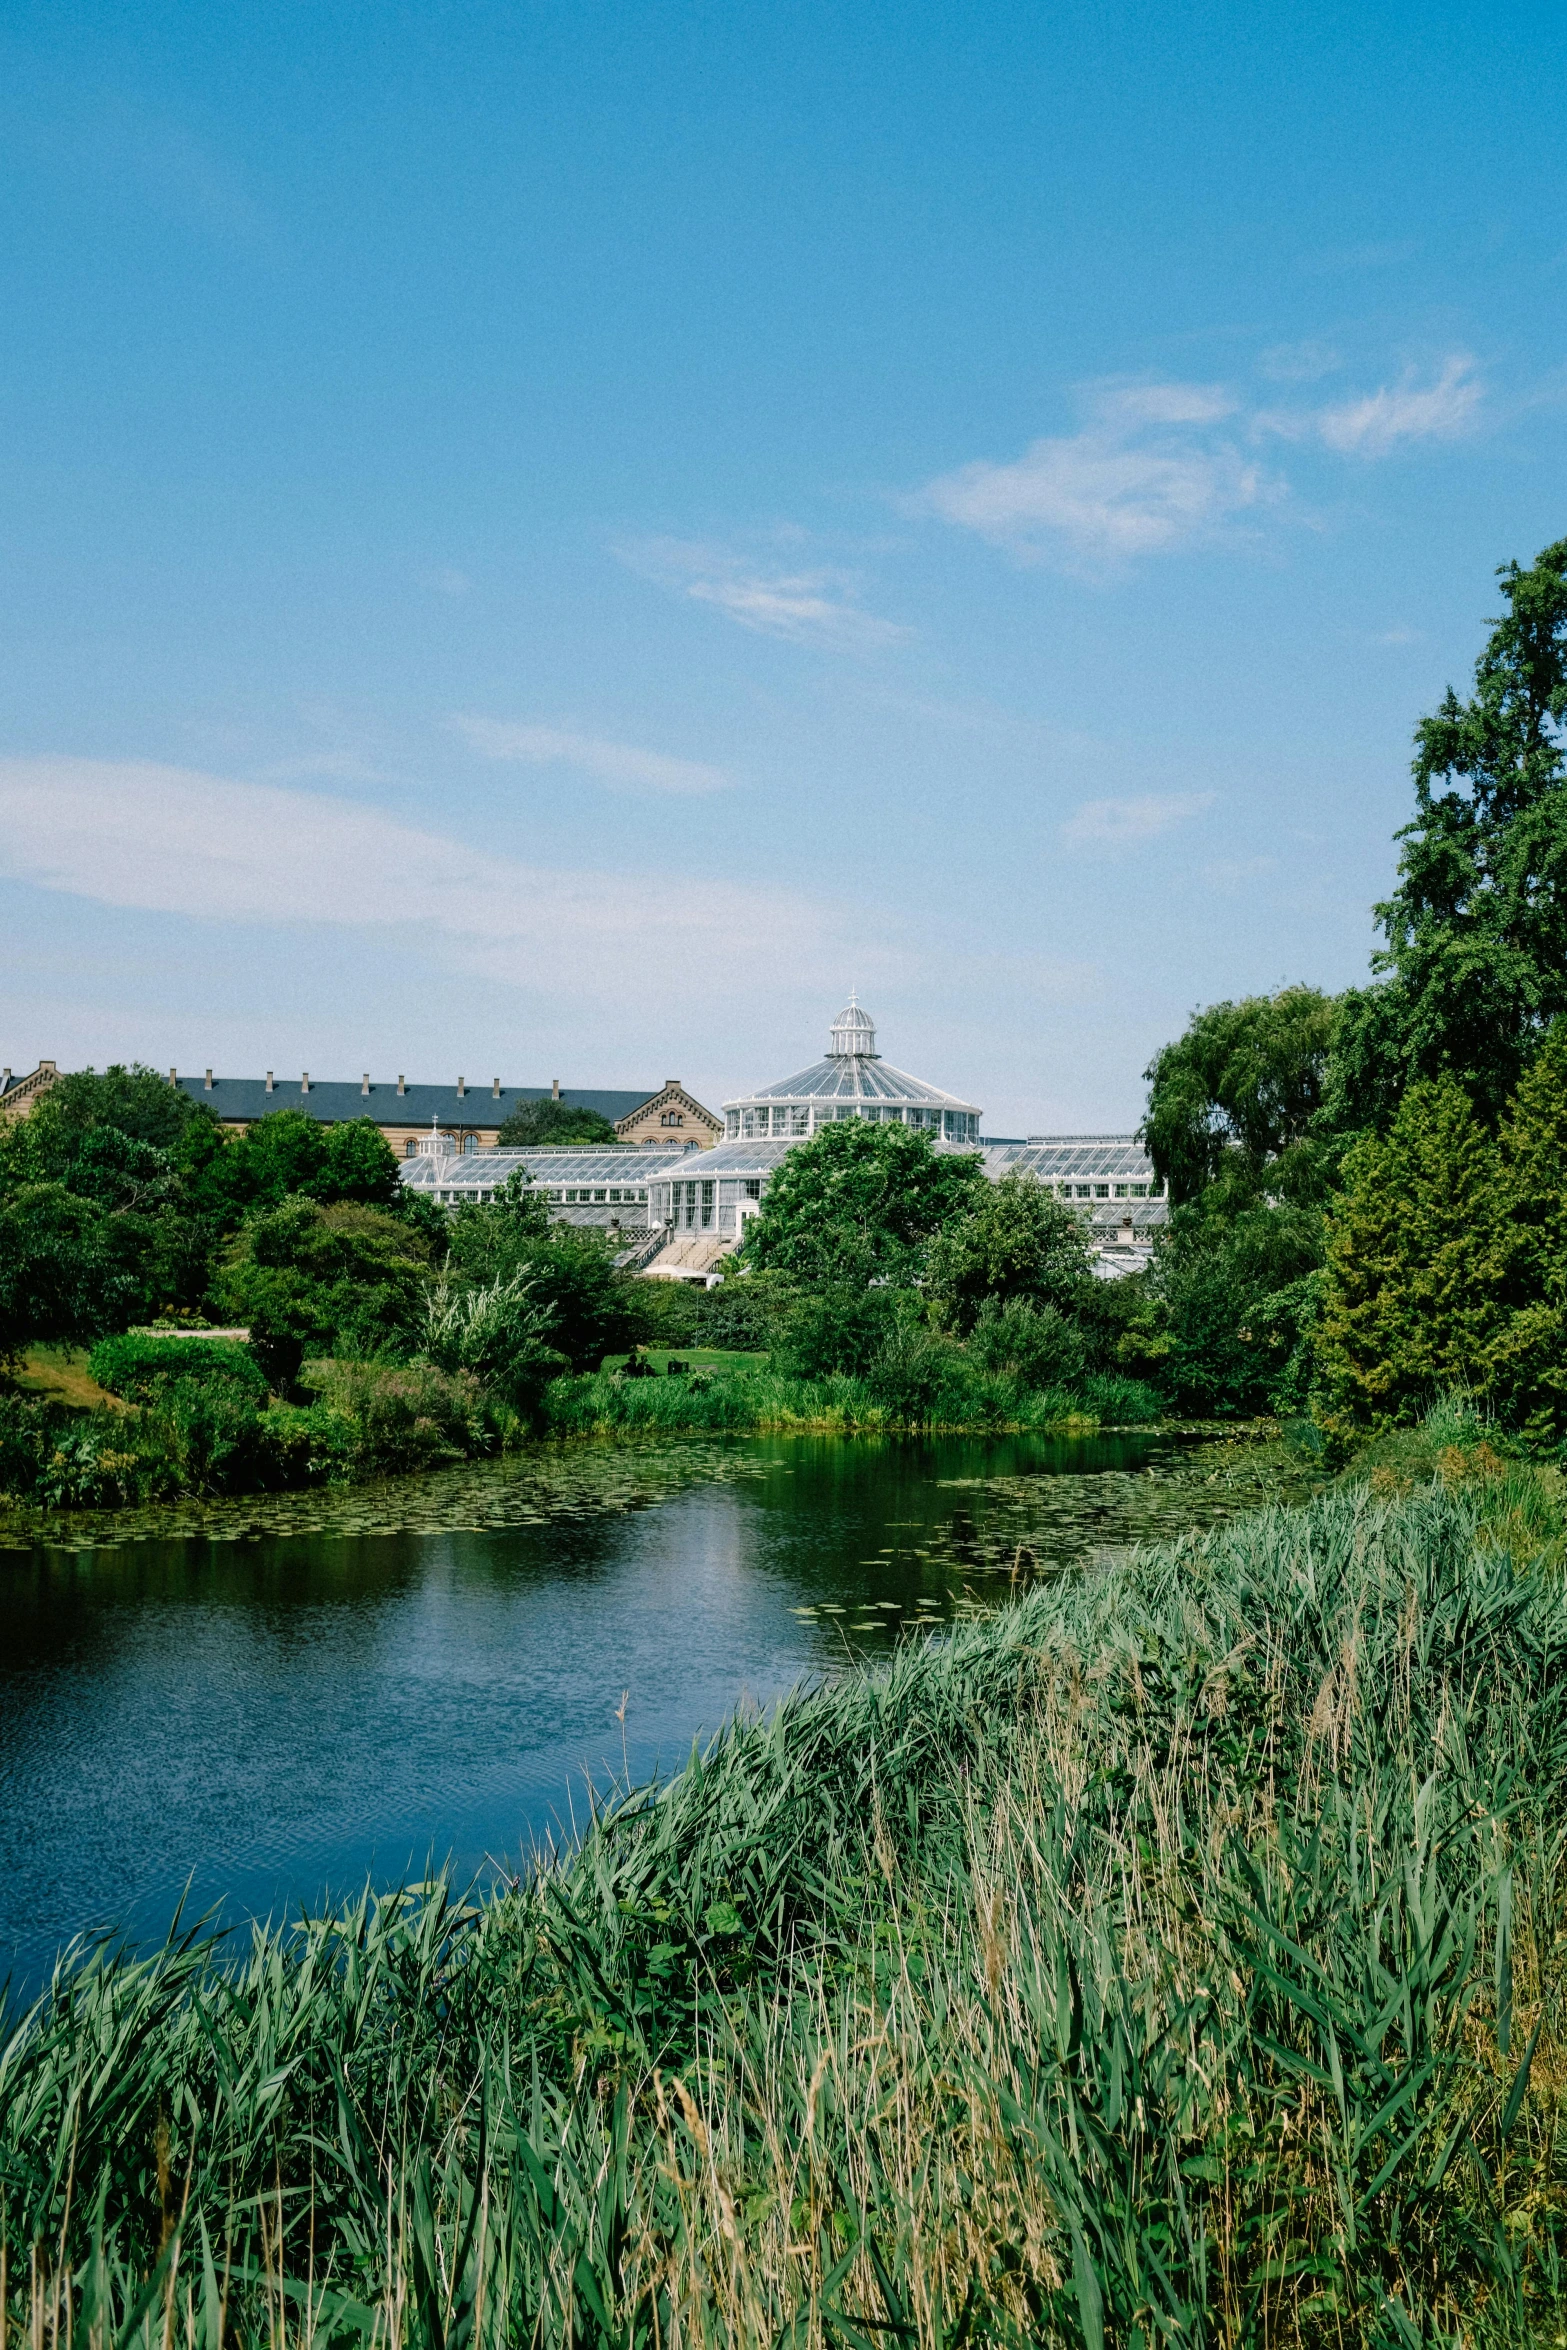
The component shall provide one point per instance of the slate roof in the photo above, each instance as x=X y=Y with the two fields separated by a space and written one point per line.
x=416 y=1105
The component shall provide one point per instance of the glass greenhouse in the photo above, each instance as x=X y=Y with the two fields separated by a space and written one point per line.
x=691 y=1205
x=853 y=1081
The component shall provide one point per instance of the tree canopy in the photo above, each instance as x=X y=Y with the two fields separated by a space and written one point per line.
x=538 y=1124
x=859 y=1203
x=1475 y=965
x=1237 y=1100
x=348 y=1278
x=1012 y=1240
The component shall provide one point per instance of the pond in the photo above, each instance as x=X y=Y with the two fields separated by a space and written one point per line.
x=255 y=1704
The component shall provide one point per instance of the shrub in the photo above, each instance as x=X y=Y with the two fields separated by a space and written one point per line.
x=920 y=1375
x=1013 y=1241
x=348 y=1277
x=835 y=1328
x=138 y=1367
x=402 y=1416
x=1035 y=1344
x=742 y=1315
x=1122 y=1403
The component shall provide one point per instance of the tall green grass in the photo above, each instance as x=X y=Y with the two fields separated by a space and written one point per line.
x=765 y=1401
x=1173 y=1957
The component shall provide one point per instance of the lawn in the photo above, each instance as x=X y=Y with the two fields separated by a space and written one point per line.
x=705 y=1358
x=59 y=1374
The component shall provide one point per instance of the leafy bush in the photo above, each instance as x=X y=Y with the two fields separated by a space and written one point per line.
x=64 y=1459
x=1119 y=1403
x=860 y=1203
x=837 y=1327
x=596 y=1308
x=347 y=1277
x=1012 y=1240
x=137 y=1366
x=391 y=1417
x=919 y=1376
x=740 y=1314
x=1034 y=1344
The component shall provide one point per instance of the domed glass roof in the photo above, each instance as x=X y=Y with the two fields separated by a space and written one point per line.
x=854 y=1031
x=853 y=1071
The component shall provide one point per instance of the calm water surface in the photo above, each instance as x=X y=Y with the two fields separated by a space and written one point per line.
x=265 y=1702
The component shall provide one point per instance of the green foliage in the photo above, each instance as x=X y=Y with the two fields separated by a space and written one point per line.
x=1227 y=1299
x=917 y=1378
x=545 y=1123
x=67 y=1269
x=1530 y=1376
x=137 y=1366
x=1476 y=958
x=572 y=1277
x=341 y=1279
x=384 y=1418
x=1448 y=1263
x=134 y=1102
x=1236 y=1128
x=742 y=1312
x=289 y=1155
x=1172 y=1956
x=1237 y=1101
x=1012 y=1240
x=859 y=1203
x=837 y=1326
x=109 y=1144
x=1414 y=1296
x=500 y=1332
x=1035 y=1345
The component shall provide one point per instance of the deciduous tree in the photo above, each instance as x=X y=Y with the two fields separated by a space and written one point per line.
x=860 y=1203
x=1475 y=965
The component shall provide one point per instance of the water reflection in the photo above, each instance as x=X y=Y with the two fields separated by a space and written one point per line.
x=265 y=1720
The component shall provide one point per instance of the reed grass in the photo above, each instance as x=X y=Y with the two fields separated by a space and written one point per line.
x=1174 y=1956
x=762 y=1401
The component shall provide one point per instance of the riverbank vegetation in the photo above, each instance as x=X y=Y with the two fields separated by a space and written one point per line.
x=1171 y=1955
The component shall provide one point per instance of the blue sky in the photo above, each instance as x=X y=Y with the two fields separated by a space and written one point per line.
x=544 y=540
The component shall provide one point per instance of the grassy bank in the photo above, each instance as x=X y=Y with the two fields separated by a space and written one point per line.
x=751 y=1398
x=196 y=1417
x=1172 y=1956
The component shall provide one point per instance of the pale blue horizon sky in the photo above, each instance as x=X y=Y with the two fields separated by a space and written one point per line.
x=554 y=542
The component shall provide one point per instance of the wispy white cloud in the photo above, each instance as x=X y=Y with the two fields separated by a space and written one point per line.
x=1129 y=823
x=177 y=841
x=1407 y=411
x=624 y=766
x=1160 y=466
x=1155 y=466
x=815 y=605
